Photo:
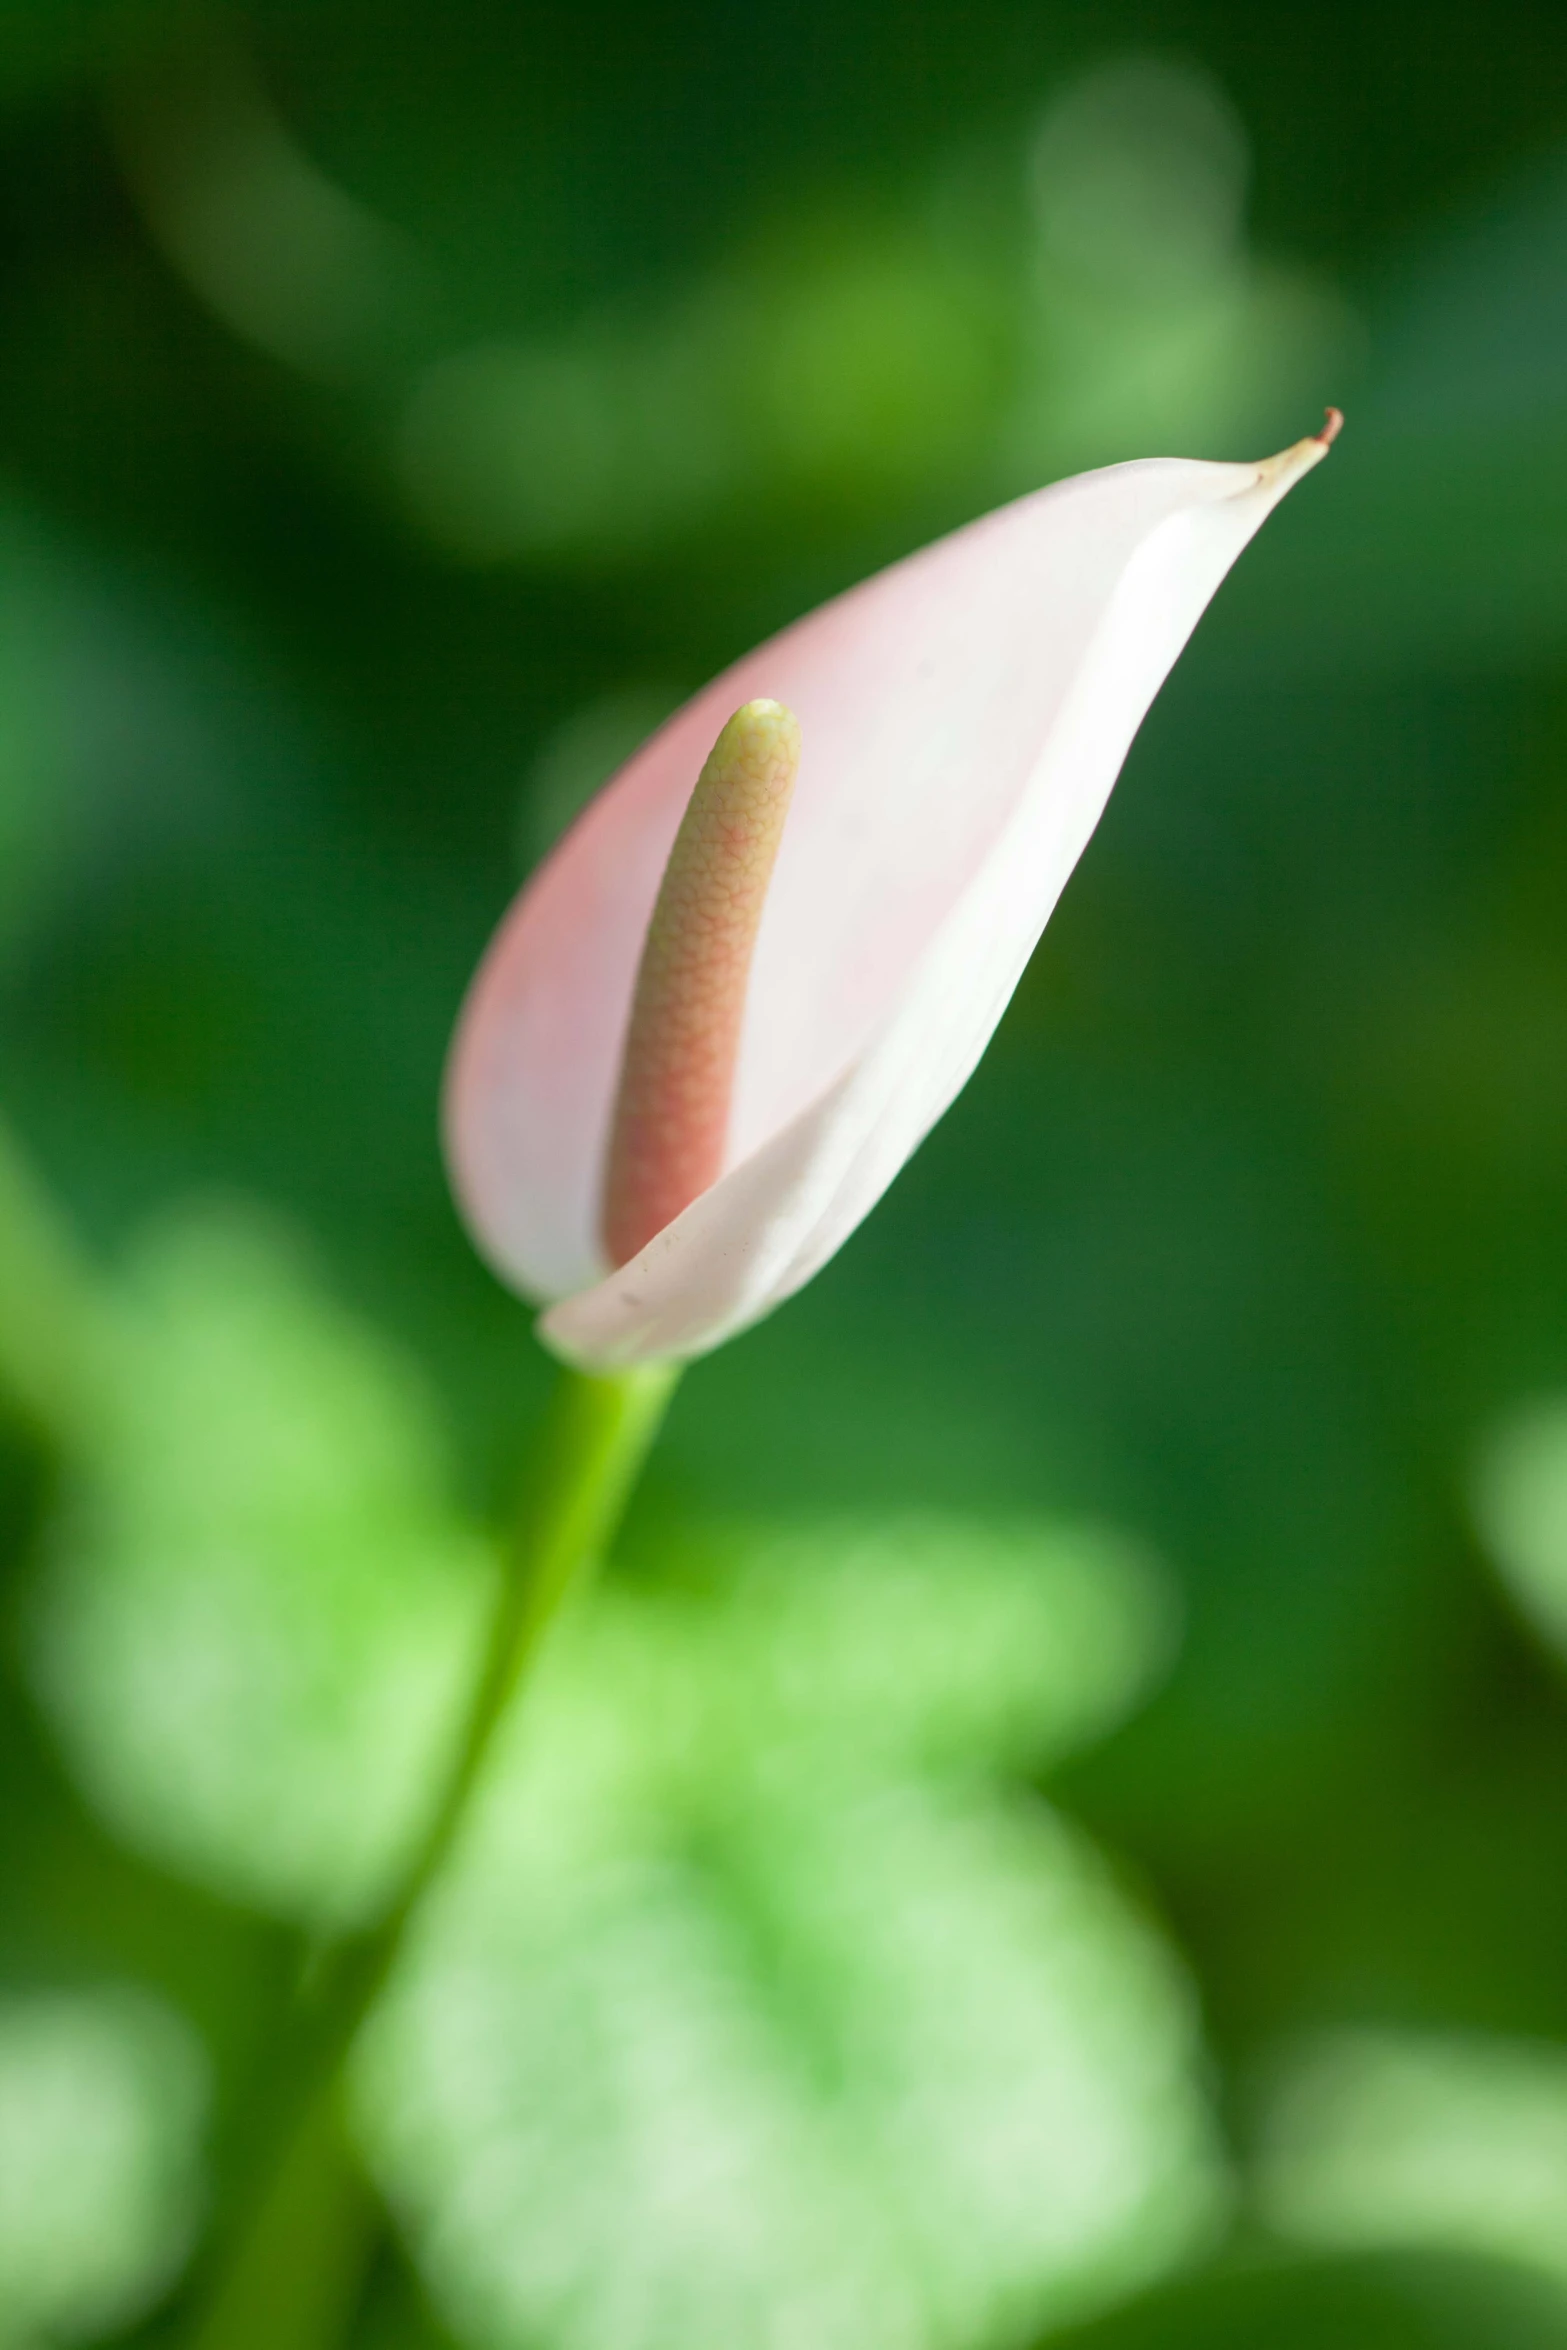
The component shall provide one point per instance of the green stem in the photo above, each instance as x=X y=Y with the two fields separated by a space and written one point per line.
x=288 y=2266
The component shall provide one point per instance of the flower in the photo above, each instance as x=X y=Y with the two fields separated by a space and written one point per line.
x=819 y=978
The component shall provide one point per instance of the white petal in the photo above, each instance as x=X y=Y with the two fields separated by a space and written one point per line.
x=1094 y=651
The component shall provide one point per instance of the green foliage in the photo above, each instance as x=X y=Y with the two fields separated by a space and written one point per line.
x=1375 y=2302
x=1379 y=2139
x=403 y=408
x=262 y=1605
x=756 y=2008
x=101 y=2096
x=1521 y=1506
x=747 y=1910
x=866 y=1647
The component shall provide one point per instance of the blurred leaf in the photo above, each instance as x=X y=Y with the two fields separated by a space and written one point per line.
x=853 y=364
x=1147 y=323
x=46 y=42
x=1438 y=542
x=101 y=2096
x=41 y=811
x=261 y=1605
x=1520 y=1499
x=1379 y=2301
x=286 y=258
x=1386 y=2138
x=856 y=360
x=751 y=2016
x=856 y=1648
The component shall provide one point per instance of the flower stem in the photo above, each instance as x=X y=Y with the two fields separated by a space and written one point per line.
x=289 y=2264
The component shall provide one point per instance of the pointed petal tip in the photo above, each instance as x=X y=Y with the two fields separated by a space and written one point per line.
x=1279 y=473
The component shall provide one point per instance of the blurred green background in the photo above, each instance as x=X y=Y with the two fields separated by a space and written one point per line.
x=1055 y=1827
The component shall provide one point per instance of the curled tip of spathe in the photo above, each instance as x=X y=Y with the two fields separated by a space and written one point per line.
x=1275 y=474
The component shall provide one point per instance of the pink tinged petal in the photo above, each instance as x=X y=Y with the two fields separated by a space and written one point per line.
x=964 y=717
x=677 y=1072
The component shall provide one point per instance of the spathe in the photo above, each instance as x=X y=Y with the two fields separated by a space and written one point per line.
x=964 y=716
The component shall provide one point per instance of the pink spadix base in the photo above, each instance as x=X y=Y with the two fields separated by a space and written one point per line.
x=677 y=1072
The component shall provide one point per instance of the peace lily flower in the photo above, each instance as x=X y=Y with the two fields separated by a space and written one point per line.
x=764 y=961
